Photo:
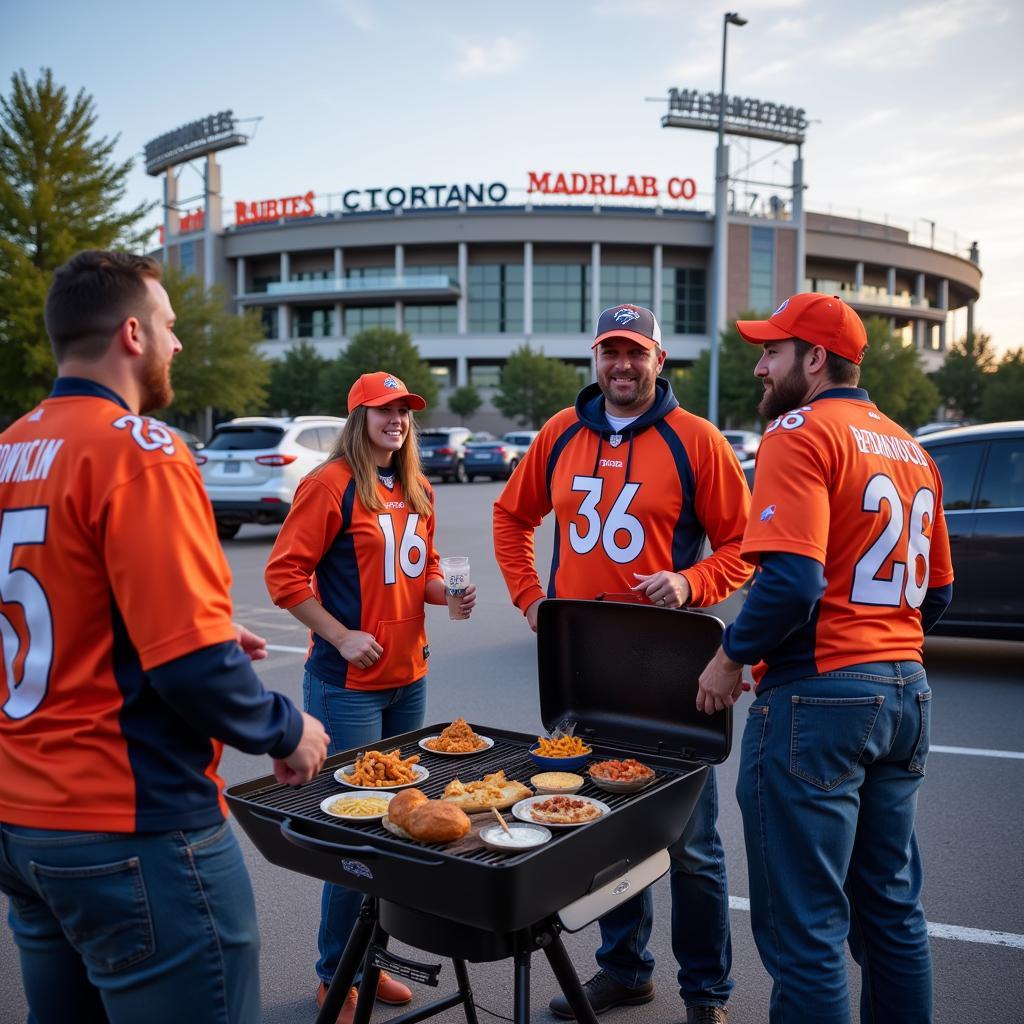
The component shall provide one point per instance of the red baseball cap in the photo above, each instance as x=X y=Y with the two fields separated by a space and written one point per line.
x=815 y=318
x=380 y=388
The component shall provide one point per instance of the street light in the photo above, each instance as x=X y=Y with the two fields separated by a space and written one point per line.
x=721 y=227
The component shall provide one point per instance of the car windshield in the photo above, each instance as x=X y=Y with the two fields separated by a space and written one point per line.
x=434 y=437
x=245 y=438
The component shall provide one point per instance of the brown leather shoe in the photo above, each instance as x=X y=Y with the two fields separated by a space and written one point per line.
x=348 y=1009
x=392 y=992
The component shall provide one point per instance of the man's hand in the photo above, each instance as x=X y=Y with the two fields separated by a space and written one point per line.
x=360 y=649
x=664 y=588
x=253 y=645
x=720 y=684
x=531 y=614
x=303 y=763
x=468 y=600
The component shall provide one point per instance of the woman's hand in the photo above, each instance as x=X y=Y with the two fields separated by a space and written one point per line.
x=360 y=649
x=468 y=601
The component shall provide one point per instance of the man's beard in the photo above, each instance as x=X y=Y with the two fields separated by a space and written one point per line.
x=631 y=398
x=157 y=392
x=785 y=394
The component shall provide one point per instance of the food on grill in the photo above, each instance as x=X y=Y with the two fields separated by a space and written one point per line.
x=404 y=804
x=376 y=769
x=556 y=782
x=564 y=810
x=563 y=746
x=629 y=770
x=457 y=738
x=359 y=807
x=437 y=821
x=492 y=790
x=518 y=836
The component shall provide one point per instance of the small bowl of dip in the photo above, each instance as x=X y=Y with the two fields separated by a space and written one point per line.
x=520 y=836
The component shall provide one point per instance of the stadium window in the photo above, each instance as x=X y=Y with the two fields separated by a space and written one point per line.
x=762 y=269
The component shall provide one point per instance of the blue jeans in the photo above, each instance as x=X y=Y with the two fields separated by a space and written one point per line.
x=701 y=939
x=156 y=927
x=355 y=718
x=828 y=783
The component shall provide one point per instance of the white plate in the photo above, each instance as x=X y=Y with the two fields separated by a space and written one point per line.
x=419 y=771
x=522 y=811
x=325 y=805
x=490 y=836
x=487 y=744
x=621 y=786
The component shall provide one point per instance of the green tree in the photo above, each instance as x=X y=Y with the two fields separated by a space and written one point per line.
x=380 y=348
x=534 y=387
x=893 y=376
x=1003 y=398
x=464 y=402
x=219 y=365
x=297 y=383
x=60 y=192
x=964 y=376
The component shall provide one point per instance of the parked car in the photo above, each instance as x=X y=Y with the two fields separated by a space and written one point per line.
x=443 y=452
x=747 y=465
x=744 y=442
x=931 y=428
x=252 y=465
x=190 y=439
x=495 y=459
x=520 y=440
x=982 y=470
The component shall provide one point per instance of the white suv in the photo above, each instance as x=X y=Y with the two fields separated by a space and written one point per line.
x=252 y=465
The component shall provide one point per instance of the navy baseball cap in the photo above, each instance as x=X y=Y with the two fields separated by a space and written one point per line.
x=633 y=322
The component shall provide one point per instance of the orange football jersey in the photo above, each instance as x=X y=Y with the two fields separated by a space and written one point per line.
x=368 y=569
x=839 y=482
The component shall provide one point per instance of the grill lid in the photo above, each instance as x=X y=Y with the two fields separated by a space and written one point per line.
x=627 y=674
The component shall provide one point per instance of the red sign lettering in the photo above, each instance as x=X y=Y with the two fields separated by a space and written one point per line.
x=264 y=210
x=575 y=183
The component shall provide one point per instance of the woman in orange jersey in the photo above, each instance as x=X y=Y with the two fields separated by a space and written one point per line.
x=355 y=562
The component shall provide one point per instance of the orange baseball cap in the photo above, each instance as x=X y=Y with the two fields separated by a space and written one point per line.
x=815 y=318
x=380 y=388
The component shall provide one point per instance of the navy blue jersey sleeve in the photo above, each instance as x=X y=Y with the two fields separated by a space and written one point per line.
x=782 y=598
x=935 y=602
x=217 y=691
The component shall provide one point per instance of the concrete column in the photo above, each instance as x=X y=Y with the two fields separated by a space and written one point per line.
x=528 y=289
x=595 y=282
x=800 y=220
x=172 y=218
x=858 y=277
x=919 y=333
x=890 y=281
x=462 y=306
x=339 y=264
x=284 y=320
x=211 y=218
x=919 y=289
x=240 y=288
x=286 y=272
x=399 y=271
x=461 y=371
x=657 y=272
x=944 y=306
x=337 y=332
x=970 y=318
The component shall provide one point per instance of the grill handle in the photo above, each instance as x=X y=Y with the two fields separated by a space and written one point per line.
x=305 y=842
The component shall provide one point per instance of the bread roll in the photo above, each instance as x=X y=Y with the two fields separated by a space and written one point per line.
x=436 y=821
x=403 y=804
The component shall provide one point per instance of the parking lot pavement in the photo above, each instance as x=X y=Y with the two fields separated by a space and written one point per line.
x=970 y=811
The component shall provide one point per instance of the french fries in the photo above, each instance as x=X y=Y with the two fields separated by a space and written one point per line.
x=376 y=769
x=563 y=746
x=360 y=807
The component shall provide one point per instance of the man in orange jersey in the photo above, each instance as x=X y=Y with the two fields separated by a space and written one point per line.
x=122 y=677
x=854 y=567
x=636 y=483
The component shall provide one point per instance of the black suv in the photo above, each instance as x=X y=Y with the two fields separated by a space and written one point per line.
x=982 y=470
x=443 y=452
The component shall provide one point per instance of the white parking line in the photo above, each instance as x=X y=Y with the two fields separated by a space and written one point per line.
x=936 y=931
x=977 y=752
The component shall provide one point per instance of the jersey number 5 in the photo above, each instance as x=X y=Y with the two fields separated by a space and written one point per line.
x=19 y=586
x=868 y=588
x=619 y=519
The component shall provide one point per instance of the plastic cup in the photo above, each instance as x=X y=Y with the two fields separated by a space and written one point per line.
x=455 y=569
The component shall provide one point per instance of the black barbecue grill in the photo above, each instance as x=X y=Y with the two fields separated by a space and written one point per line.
x=627 y=674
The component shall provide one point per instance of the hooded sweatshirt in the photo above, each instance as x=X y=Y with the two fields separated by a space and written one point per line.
x=636 y=501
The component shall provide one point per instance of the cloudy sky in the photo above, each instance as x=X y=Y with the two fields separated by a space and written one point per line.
x=916 y=107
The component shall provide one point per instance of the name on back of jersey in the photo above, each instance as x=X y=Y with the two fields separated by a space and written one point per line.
x=24 y=461
x=896 y=449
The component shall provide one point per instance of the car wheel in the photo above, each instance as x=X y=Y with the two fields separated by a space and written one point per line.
x=227 y=530
x=459 y=476
x=470 y=478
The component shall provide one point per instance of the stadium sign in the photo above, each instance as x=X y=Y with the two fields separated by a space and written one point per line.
x=262 y=211
x=419 y=196
x=200 y=138
x=756 y=119
x=577 y=184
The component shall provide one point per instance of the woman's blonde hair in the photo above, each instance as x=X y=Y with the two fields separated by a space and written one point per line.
x=353 y=445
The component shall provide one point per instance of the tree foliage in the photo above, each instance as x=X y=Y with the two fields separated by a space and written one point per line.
x=219 y=365
x=60 y=192
x=298 y=383
x=379 y=348
x=534 y=387
x=1003 y=398
x=964 y=376
x=893 y=376
x=464 y=402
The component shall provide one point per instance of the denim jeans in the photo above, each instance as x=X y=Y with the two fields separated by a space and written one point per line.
x=828 y=783
x=156 y=927
x=355 y=718
x=701 y=938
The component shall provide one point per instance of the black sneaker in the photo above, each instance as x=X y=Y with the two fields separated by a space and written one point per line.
x=603 y=992
x=707 y=1015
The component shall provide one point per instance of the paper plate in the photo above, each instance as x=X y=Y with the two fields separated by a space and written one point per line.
x=419 y=772
x=361 y=794
x=522 y=811
x=486 y=741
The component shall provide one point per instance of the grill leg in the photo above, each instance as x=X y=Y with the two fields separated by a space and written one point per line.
x=521 y=1013
x=462 y=976
x=355 y=952
x=370 y=978
x=566 y=977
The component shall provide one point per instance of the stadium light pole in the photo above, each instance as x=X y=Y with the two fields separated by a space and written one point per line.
x=721 y=228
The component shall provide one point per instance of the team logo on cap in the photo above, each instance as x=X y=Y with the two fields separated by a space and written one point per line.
x=390 y=382
x=768 y=512
x=785 y=303
x=626 y=316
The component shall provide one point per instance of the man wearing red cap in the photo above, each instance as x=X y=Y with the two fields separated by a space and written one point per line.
x=636 y=483
x=854 y=567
